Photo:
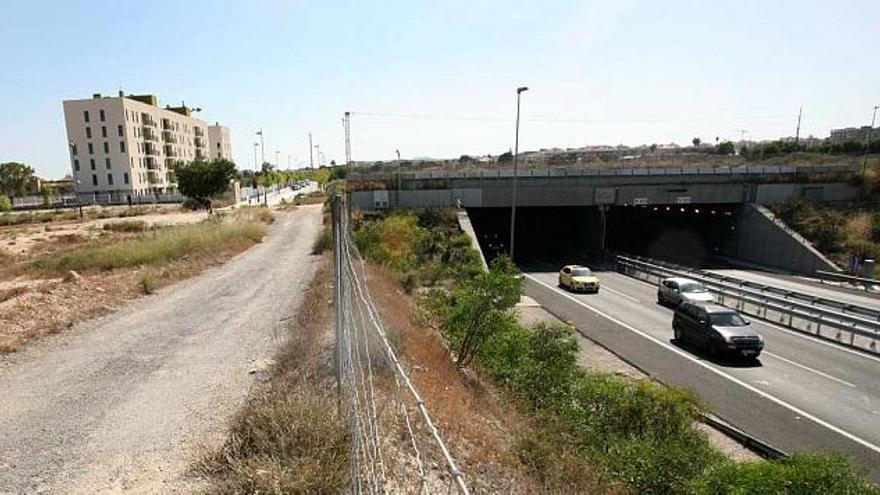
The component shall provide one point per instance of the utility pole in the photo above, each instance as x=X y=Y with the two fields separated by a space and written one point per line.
x=519 y=92
x=797 y=133
x=867 y=145
x=311 y=160
x=255 y=171
x=347 y=124
x=276 y=158
x=318 y=152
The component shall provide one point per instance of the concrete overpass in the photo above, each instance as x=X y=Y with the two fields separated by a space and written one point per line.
x=760 y=184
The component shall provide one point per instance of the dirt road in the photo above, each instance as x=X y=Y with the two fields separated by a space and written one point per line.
x=123 y=403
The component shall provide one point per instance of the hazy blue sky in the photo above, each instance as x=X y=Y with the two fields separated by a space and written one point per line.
x=599 y=72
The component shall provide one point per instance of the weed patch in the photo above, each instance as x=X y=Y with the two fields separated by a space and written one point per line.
x=154 y=248
x=126 y=226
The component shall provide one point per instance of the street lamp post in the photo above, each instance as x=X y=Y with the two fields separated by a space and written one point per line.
x=519 y=92
x=256 y=145
x=398 y=177
x=262 y=147
x=867 y=145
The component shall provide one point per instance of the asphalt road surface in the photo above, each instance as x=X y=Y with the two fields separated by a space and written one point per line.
x=125 y=402
x=802 y=395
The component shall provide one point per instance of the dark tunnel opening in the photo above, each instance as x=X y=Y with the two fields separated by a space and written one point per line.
x=695 y=234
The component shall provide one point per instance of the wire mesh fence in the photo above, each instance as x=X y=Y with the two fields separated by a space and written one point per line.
x=396 y=445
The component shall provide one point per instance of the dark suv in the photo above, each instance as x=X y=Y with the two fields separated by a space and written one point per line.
x=717 y=329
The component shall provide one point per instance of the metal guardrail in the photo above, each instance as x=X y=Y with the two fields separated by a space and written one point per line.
x=847 y=308
x=493 y=173
x=867 y=283
x=849 y=329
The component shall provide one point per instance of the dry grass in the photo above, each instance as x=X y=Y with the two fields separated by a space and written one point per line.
x=49 y=306
x=9 y=343
x=481 y=427
x=253 y=214
x=156 y=248
x=126 y=226
x=288 y=438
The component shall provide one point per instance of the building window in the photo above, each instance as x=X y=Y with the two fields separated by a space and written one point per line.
x=122 y=146
x=91 y=149
x=92 y=163
x=103 y=131
x=126 y=114
x=76 y=165
x=86 y=115
x=88 y=132
x=119 y=130
x=107 y=163
x=218 y=146
x=125 y=177
x=110 y=179
x=106 y=147
x=101 y=115
x=74 y=149
x=94 y=180
x=132 y=161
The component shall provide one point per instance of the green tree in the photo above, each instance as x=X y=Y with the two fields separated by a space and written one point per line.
x=726 y=148
x=5 y=203
x=201 y=180
x=697 y=141
x=321 y=176
x=14 y=178
x=505 y=157
x=479 y=309
x=47 y=192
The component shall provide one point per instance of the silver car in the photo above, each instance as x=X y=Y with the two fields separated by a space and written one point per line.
x=675 y=290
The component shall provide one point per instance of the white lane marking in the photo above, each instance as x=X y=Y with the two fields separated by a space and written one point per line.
x=718 y=372
x=621 y=294
x=799 y=365
x=806 y=336
x=818 y=340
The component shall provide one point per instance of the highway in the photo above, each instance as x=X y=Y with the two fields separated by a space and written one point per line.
x=802 y=395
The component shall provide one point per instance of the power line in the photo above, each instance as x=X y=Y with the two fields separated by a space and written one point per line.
x=553 y=120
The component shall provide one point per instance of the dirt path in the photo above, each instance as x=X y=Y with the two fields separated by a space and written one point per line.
x=125 y=401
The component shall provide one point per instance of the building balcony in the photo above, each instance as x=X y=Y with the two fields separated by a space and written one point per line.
x=151 y=163
x=169 y=151
x=149 y=134
x=147 y=120
x=199 y=142
x=198 y=131
x=151 y=150
x=166 y=125
x=169 y=137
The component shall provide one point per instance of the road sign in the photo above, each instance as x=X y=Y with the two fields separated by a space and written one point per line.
x=683 y=200
x=640 y=201
x=604 y=195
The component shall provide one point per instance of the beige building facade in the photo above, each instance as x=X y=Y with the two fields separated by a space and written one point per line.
x=127 y=145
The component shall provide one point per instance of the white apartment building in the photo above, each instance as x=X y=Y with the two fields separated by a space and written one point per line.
x=127 y=145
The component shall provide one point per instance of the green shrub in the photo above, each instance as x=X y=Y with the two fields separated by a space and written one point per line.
x=798 y=474
x=5 y=203
x=148 y=280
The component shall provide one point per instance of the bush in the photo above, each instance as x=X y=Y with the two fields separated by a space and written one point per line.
x=126 y=226
x=479 y=309
x=798 y=474
x=5 y=203
x=148 y=281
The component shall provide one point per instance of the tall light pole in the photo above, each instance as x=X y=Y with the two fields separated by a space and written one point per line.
x=262 y=147
x=867 y=145
x=311 y=159
x=277 y=165
x=519 y=92
x=398 y=177
x=256 y=145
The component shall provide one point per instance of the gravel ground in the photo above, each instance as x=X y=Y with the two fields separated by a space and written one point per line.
x=127 y=402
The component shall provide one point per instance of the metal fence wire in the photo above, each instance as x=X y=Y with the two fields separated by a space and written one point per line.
x=395 y=444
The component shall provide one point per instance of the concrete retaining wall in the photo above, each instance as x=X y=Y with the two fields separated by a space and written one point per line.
x=764 y=239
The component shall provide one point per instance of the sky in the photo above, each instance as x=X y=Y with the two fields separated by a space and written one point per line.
x=439 y=79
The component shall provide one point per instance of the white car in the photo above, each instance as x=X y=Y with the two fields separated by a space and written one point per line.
x=675 y=290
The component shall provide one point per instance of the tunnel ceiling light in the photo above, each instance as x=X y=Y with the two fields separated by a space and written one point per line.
x=713 y=212
x=696 y=210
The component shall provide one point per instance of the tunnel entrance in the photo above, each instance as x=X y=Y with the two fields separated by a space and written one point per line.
x=691 y=233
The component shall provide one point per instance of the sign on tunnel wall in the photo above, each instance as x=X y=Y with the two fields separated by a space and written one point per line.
x=604 y=195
